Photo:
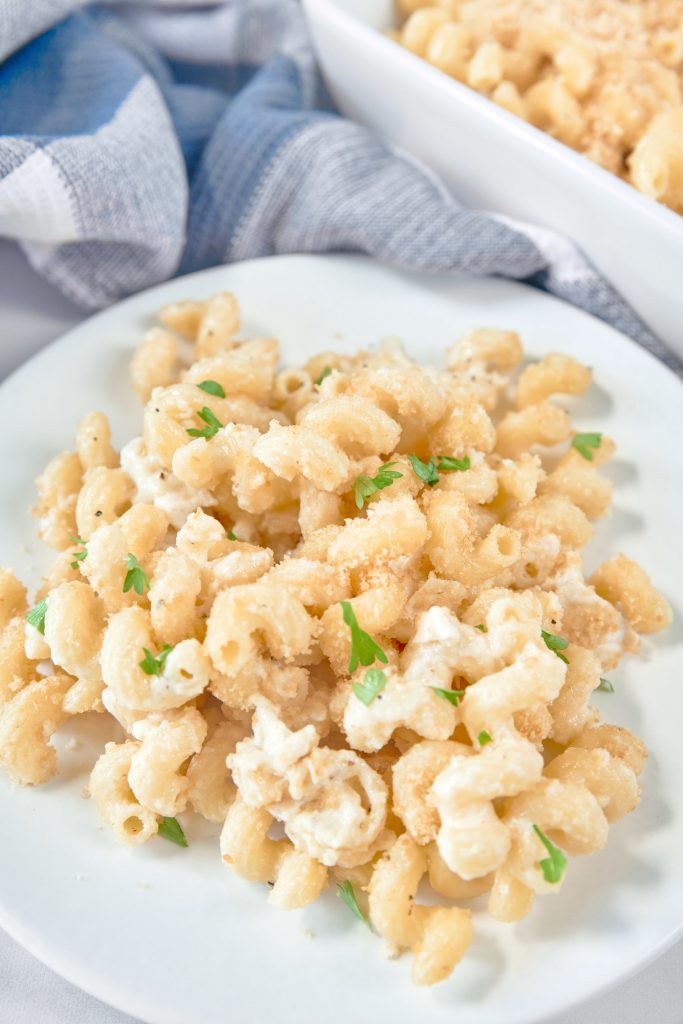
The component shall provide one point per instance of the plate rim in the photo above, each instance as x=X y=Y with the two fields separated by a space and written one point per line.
x=351 y=258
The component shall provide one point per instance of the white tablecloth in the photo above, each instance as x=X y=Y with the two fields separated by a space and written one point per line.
x=31 y=315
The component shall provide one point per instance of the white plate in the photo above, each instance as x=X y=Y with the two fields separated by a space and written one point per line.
x=494 y=160
x=173 y=937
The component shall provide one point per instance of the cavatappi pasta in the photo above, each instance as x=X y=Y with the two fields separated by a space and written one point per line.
x=603 y=76
x=347 y=598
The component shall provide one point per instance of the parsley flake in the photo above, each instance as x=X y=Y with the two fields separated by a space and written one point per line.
x=213 y=424
x=450 y=695
x=374 y=681
x=326 y=372
x=584 y=442
x=429 y=471
x=171 y=829
x=152 y=666
x=347 y=895
x=78 y=555
x=605 y=686
x=426 y=471
x=482 y=627
x=36 y=617
x=446 y=464
x=212 y=387
x=553 y=867
x=556 y=644
x=136 y=577
x=231 y=535
x=483 y=738
x=366 y=486
x=364 y=650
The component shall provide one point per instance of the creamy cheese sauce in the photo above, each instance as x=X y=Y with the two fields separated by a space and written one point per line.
x=333 y=805
x=158 y=486
x=36 y=646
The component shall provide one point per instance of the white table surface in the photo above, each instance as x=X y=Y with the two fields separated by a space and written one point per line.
x=32 y=314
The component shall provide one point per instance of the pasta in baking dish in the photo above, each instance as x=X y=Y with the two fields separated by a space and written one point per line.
x=348 y=598
x=603 y=76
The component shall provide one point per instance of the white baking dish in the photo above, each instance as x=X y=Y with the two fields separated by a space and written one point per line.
x=494 y=160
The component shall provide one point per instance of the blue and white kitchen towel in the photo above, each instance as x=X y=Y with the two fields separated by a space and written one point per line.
x=139 y=140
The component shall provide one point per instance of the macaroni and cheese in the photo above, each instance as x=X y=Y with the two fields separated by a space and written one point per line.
x=603 y=76
x=348 y=599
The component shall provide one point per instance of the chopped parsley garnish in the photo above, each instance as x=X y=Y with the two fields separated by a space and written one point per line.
x=136 y=578
x=584 y=443
x=36 y=617
x=78 y=555
x=605 y=686
x=366 y=486
x=231 y=535
x=374 y=681
x=425 y=470
x=155 y=666
x=212 y=387
x=483 y=738
x=326 y=372
x=553 y=867
x=446 y=464
x=347 y=895
x=213 y=424
x=450 y=695
x=481 y=626
x=364 y=650
x=556 y=644
x=429 y=471
x=171 y=829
